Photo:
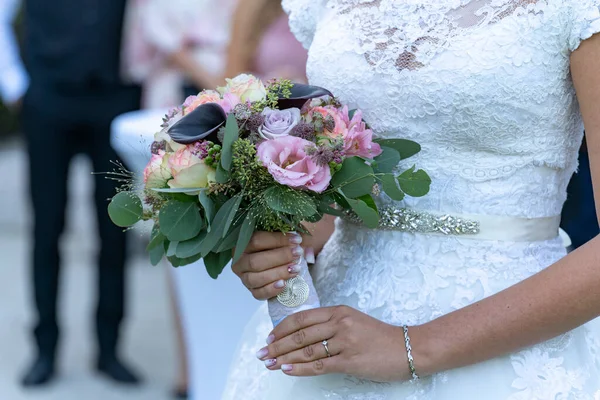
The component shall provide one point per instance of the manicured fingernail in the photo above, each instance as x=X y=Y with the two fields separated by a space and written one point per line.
x=286 y=367
x=298 y=251
x=310 y=255
x=270 y=339
x=271 y=362
x=294 y=268
x=279 y=284
x=295 y=238
x=262 y=353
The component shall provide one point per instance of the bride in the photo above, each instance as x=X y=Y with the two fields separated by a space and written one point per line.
x=494 y=91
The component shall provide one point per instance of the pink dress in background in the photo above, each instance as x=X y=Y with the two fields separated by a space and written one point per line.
x=280 y=54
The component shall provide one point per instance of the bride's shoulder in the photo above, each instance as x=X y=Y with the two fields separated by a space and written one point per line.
x=304 y=16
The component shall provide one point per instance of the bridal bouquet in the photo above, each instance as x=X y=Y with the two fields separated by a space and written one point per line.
x=253 y=156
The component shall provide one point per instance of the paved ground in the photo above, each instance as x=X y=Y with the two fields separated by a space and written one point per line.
x=149 y=342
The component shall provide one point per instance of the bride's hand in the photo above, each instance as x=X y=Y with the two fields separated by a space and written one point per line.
x=359 y=345
x=269 y=260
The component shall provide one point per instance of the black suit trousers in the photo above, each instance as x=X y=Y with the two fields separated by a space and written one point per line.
x=58 y=123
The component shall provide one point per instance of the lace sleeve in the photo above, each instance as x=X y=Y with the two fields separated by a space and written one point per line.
x=304 y=17
x=585 y=21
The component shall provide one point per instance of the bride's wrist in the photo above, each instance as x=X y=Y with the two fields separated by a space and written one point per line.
x=426 y=350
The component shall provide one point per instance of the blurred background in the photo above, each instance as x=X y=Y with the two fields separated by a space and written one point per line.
x=117 y=66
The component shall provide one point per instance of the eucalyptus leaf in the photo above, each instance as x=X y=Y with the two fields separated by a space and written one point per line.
x=221 y=175
x=125 y=209
x=355 y=178
x=172 y=250
x=180 y=221
x=367 y=214
x=156 y=254
x=230 y=240
x=217 y=227
x=285 y=200
x=390 y=187
x=156 y=238
x=216 y=262
x=181 y=262
x=246 y=232
x=387 y=161
x=340 y=199
x=231 y=215
x=201 y=124
x=232 y=132
x=415 y=183
x=209 y=207
x=406 y=148
x=325 y=208
x=190 y=248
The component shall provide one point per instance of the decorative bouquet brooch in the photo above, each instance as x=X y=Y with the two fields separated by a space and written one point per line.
x=254 y=157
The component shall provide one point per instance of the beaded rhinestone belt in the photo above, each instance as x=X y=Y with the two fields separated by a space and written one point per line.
x=483 y=227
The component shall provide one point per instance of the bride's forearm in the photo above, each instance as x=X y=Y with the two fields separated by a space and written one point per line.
x=554 y=301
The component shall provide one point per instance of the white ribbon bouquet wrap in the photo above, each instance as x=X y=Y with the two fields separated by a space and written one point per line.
x=299 y=294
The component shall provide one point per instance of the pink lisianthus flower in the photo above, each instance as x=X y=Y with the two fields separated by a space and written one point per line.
x=286 y=160
x=188 y=170
x=157 y=172
x=339 y=128
x=229 y=102
x=206 y=96
x=358 y=141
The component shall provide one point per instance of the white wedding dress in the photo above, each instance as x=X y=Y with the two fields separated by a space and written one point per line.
x=484 y=87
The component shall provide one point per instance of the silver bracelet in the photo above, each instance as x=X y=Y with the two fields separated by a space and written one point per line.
x=411 y=363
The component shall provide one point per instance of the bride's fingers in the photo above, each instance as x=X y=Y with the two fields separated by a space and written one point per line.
x=300 y=320
x=330 y=365
x=265 y=260
x=257 y=280
x=307 y=354
x=262 y=241
x=297 y=340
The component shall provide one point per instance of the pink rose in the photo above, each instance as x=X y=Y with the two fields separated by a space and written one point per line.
x=206 y=96
x=340 y=127
x=157 y=173
x=246 y=87
x=287 y=162
x=229 y=102
x=188 y=170
x=358 y=141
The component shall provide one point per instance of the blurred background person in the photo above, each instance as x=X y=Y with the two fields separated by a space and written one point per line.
x=262 y=43
x=73 y=91
x=579 y=212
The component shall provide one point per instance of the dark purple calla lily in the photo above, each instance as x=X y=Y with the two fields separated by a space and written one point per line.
x=201 y=124
x=301 y=94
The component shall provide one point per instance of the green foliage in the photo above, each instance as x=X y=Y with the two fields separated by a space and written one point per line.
x=390 y=187
x=406 y=148
x=366 y=210
x=415 y=183
x=180 y=221
x=191 y=247
x=216 y=262
x=125 y=209
x=232 y=132
x=386 y=161
x=244 y=237
x=289 y=201
x=247 y=170
x=355 y=178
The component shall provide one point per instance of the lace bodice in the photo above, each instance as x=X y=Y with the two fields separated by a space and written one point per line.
x=482 y=85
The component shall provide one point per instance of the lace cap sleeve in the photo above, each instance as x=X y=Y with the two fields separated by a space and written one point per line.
x=585 y=21
x=304 y=16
